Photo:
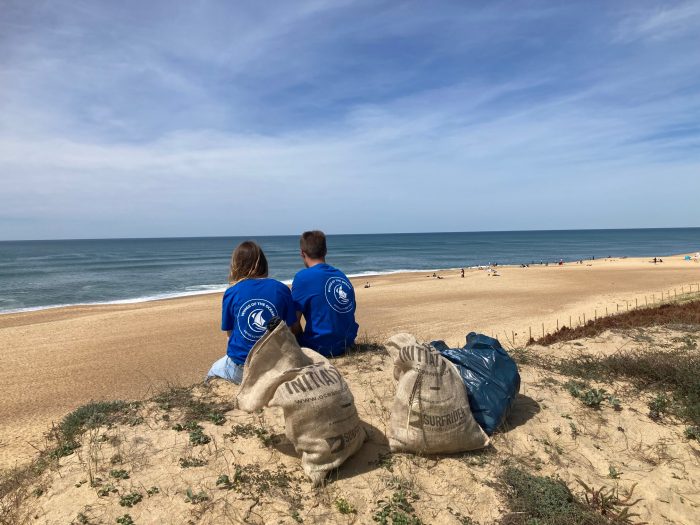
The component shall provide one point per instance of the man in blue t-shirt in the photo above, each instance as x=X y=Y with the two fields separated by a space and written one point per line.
x=326 y=299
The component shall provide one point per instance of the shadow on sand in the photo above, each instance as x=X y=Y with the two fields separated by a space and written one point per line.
x=523 y=410
x=364 y=460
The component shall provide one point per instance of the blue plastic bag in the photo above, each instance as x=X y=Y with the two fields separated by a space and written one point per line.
x=490 y=376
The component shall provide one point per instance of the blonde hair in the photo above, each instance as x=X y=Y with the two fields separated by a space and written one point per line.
x=247 y=262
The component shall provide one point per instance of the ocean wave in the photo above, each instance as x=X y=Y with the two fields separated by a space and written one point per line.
x=200 y=290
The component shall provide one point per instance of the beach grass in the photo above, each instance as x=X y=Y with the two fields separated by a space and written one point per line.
x=678 y=313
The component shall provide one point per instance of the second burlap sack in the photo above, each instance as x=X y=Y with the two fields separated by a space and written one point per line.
x=320 y=417
x=430 y=414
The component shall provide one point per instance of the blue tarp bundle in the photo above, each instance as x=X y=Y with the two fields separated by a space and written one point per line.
x=490 y=376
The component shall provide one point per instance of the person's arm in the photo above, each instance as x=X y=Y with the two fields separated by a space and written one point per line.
x=227 y=321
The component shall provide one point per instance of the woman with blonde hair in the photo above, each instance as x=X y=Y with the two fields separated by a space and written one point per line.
x=248 y=305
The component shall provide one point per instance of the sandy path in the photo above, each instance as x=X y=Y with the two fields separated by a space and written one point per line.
x=56 y=360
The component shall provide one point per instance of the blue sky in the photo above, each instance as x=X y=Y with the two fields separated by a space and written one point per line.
x=189 y=118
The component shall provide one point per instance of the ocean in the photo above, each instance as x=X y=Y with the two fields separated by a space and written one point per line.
x=43 y=274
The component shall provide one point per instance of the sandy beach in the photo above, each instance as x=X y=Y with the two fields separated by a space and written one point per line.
x=56 y=360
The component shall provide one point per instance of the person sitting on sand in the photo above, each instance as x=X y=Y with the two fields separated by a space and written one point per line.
x=324 y=296
x=251 y=301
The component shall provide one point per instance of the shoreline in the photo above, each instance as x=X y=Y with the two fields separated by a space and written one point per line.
x=218 y=289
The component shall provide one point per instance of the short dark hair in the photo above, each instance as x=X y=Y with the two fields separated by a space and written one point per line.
x=247 y=262
x=313 y=244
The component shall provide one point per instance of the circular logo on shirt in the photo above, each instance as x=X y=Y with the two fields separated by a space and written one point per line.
x=254 y=316
x=339 y=295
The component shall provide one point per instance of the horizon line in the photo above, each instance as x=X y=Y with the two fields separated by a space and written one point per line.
x=346 y=234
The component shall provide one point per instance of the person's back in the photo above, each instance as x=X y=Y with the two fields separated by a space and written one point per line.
x=324 y=296
x=247 y=307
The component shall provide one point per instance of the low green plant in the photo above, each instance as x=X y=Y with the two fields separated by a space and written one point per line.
x=608 y=502
x=193 y=498
x=250 y=430
x=194 y=408
x=82 y=519
x=344 y=507
x=398 y=509
x=574 y=430
x=153 y=491
x=192 y=462
x=216 y=418
x=461 y=518
x=106 y=490
x=130 y=499
x=614 y=402
x=692 y=433
x=92 y=415
x=119 y=474
x=125 y=520
x=543 y=500
x=613 y=473
x=658 y=406
x=198 y=437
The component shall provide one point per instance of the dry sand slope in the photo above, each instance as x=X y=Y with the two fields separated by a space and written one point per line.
x=549 y=433
x=56 y=360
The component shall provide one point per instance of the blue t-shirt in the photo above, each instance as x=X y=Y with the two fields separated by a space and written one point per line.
x=247 y=308
x=326 y=298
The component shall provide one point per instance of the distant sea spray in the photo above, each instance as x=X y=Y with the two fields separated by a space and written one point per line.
x=41 y=274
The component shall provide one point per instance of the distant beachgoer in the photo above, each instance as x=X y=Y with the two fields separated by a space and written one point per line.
x=439 y=277
x=434 y=275
x=654 y=260
x=462 y=273
x=561 y=262
x=248 y=305
x=367 y=284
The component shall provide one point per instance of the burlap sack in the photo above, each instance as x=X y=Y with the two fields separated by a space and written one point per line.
x=320 y=417
x=319 y=410
x=273 y=354
x=431 y=411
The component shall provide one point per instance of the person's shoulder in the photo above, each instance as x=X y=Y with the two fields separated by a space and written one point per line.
x=305 y=275
x=339 y=273
x=278 y=285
